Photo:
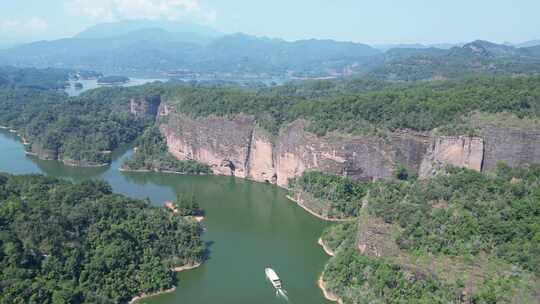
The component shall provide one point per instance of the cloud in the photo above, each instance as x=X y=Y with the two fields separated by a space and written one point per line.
x=22 y=26
x=113 y=10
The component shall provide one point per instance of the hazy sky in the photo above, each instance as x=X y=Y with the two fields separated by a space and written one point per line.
x=375 y=21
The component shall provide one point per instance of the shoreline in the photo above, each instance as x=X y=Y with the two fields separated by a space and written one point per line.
x=172 y=208
x=73 y=165
x=322 y=217
x=330 y=296
x=186 y=267
x=327 y=250
x=173 y=289
x=121 y=169
x=67 y=164
x=145 y=296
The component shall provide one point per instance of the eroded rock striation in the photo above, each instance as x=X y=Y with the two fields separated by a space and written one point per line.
x=237 y=146
x=461 y=151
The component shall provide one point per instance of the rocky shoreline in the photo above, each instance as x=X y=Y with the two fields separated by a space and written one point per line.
x=177 y=269
x=301 y=204
x=330 y=296
x=327 y=250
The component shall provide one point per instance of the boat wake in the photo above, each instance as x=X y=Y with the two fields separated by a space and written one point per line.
x=282 y=293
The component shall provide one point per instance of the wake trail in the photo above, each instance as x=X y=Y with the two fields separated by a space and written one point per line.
x=282 y=293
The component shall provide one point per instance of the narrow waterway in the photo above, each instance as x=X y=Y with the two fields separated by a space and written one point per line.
x=249 y=226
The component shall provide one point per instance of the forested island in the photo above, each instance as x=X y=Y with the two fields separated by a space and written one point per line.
x=65 y=242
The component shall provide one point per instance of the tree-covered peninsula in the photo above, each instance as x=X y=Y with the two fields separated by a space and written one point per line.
x=64 y=242
x=80 y=130
x=460 y=237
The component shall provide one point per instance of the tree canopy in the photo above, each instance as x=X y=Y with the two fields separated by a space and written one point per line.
x=63 y=242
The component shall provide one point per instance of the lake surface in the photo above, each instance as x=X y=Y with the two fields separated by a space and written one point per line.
x=90 y=84
x=249 y=226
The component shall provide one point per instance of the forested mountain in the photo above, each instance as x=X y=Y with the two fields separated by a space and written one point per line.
x=190 y=51
x=157 y=48
x=475 y=58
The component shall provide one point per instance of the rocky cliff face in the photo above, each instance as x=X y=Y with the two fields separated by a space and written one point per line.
x=145 y=107
x=462 y=151
x=236 y=146
x=511 y=145
x=223 y=144
x=359 y=157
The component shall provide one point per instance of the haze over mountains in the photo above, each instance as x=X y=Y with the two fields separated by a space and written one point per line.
x=185 y=50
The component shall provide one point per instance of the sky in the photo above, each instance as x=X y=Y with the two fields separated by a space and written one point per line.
x=371 y=22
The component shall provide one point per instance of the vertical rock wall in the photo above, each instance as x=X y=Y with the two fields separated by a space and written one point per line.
x=224 y=144
x=260 y=164
x=461 y=151
x=510 y=145
x=236 y=146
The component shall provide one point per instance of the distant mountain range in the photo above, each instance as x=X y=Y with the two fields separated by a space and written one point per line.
x=187 y=50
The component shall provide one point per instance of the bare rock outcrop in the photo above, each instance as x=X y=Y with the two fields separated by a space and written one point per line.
x=459 y=151
x=260 y=162
x=237 y=146
x=511 y=145
x=359 y=157
x=223 y=144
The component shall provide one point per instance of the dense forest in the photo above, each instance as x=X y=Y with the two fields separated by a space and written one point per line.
x=64 y=242
x=80 y=130
x=342 y=196
x=29 y=78
x=475 y=221
x=355 y=107
x=152 y=155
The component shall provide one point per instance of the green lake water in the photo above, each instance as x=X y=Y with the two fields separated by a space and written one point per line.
x=249 y=226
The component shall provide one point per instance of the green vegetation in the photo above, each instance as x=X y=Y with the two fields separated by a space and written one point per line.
x=63 y=242
x=113 y=80
x=37 y=79
x=341 y=195
x=337 y=235
x=476 y=58
x=187 y=205
x=460 y=230
x=152 y=155
x=362 y=279
x=467 y=213
x=354 y=108
x=81 y=130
